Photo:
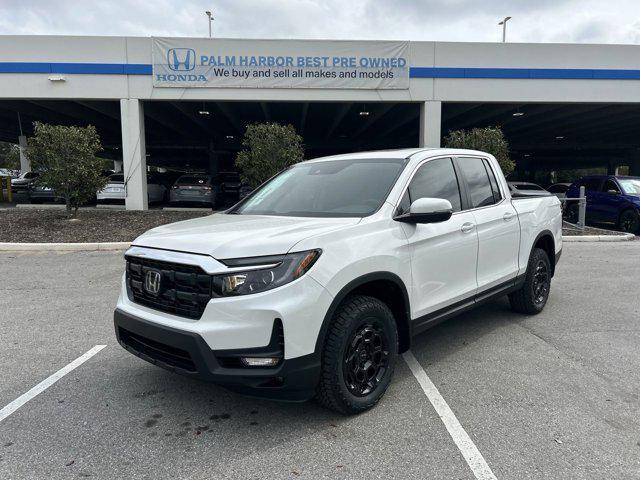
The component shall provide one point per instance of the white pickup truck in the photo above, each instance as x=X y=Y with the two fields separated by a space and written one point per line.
x=313 y=284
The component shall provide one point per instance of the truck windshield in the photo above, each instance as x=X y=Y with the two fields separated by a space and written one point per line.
x=332 y=188
x=631 y=186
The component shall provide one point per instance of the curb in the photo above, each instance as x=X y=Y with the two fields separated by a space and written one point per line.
x=59 y=247
x=598 y=238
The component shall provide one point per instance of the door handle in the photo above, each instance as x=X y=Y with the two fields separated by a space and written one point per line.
x=467 y=227
x=508 y=216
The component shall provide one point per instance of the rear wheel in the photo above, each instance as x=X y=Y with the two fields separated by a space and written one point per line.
x=359 y=356
x=629 y=221
x=533 y=295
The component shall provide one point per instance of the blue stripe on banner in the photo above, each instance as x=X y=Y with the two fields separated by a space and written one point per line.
x=414 y=72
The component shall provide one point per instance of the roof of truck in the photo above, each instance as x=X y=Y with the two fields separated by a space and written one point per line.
x=398 y=153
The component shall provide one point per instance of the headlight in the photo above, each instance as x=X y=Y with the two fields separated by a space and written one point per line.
x=282 y=270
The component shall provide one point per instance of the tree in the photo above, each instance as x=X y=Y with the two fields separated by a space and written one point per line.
x=268 y=149
x=9 y=156
x=489 y=139
x=66 y=158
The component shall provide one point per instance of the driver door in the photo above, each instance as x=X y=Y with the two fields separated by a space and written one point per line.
x=444 y=255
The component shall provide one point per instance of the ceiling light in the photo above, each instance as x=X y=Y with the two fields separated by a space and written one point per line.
x=204 y=112
x=518 y=114
x=364 y=113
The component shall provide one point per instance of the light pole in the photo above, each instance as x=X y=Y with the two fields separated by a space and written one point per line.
x=504 y=28
x=210 y=20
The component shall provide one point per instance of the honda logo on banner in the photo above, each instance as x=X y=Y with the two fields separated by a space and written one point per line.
x=181 y=59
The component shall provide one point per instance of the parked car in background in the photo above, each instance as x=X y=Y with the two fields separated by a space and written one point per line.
x=526 y=188
x=194 y=189
x=7 y=172
x=245 y=190
x=42 y=193
x=559 y=189
x=611 y=199
x=230 y=184
x=24 y=182
x=316 y=283
x=114 y=191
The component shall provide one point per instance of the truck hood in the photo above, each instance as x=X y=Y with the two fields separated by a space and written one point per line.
x=235 y=236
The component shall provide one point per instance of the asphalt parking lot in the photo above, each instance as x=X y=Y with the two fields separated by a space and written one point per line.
x=554 y=396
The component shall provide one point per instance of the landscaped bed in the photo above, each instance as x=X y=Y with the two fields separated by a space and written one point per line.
x=91 y=225
x=569 y=229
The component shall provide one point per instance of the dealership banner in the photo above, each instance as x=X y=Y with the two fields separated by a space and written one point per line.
x=181 y=62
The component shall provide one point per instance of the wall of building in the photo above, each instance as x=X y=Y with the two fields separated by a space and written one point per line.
x=439 y=72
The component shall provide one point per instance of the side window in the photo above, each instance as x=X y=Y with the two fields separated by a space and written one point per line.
x=610 y=185
x=497 y=196
x=591 y=184
x=435 y=179
x=480 y=191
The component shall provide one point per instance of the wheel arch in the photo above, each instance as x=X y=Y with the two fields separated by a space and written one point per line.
x=546 y=242
x=386 y=287
x=628 y=207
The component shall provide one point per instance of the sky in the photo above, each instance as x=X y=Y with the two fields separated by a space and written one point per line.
x=571 y=21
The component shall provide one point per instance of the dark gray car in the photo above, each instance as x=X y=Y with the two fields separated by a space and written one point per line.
x=194 y=189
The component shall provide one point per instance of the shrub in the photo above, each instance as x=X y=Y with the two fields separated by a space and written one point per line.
x=489 y=139
x=268 y=149
x=67 y=162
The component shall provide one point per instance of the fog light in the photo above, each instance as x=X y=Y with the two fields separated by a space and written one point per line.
x=260 y=361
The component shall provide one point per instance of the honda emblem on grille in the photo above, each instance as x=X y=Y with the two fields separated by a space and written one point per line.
x=152 y=282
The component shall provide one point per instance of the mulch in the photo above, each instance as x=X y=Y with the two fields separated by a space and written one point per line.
x=92 y=225
x=569 y=229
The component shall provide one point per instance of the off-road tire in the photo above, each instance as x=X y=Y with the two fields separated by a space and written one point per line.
x=356 y=313
x=528 y=299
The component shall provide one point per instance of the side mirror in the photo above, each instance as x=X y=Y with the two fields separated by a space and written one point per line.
x=613 y=192
x=427 y=210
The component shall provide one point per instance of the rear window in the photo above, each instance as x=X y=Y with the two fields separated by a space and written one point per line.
x=193 y=180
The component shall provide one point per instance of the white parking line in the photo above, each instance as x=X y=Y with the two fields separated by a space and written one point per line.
x=469 y=451
x=47 y=382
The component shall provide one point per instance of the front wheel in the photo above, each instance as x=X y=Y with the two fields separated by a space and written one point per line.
x=359 y=355
x=571 y=213
x=629 y=221
x=532 y=296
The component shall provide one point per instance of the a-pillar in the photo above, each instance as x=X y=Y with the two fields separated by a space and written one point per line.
x=134 y=154
x=430 y=124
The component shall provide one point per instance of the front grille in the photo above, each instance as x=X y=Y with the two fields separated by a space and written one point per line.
x=167 y=354
x=184 y=290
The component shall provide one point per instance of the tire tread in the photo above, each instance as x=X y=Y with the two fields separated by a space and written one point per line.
x=328 y=393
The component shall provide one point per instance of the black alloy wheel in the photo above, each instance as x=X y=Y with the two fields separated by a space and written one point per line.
x=541 y=282
x=366 y=359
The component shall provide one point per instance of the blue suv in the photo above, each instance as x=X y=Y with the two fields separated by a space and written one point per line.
x=610 y=199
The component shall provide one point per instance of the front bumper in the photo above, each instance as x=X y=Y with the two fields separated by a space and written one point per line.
x=187 y=353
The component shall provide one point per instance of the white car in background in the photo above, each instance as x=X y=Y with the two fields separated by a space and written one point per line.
x=114 y=191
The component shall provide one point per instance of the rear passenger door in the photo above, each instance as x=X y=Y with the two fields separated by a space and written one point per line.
x=610 y=204
x=496 y=223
